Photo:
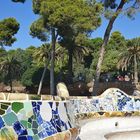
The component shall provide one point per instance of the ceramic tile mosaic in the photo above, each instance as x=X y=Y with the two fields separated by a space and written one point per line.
x=110 y=101
x=33 y=120
x=55 y=118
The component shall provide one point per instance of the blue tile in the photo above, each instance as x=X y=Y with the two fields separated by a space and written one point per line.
x=51 y=131
x=34 y=104
x=41 y=135
x=22 y=138
x=46 y=124
x=49 y=128
x=50 y=103
x=69 y=124
x=66 y=127
x=39 y=119
x=20 y=130
x=36 y=112
x=45 y=133
x=57 y=123
x=40 y=103
x=38 y=107
x=29 y=138
x=1 y=123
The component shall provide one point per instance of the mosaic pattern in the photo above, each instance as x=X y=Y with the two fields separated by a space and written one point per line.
x=110 y=101
x=33 y=120
x=33 y=117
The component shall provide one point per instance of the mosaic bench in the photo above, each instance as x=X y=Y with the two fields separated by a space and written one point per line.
x=112 y=103
x=31 y=117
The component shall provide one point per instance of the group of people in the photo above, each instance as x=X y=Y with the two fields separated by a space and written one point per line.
x=112 y=78
x=123 y=78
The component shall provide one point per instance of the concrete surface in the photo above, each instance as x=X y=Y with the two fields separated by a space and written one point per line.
x=97 y=129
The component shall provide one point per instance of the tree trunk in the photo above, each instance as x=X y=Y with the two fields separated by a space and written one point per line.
x=105 y=41
x=11 y=85
x=135 y=70
x=70 y=65
x=41 y=81
x=52 y=85
x=10 y=79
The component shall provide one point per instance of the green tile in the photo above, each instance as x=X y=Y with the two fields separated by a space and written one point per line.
x=34 y=124
x=10 y=118
x=24 y=123
x=28 y=106
x=34 y=97
x=3 y=106
x=40 y=128
x=6 y=103
x=22 y=111
x=33 y=117
x=35 y=131
x=2 y=112
x=16 y=106
x=7 y=134
x=30 y=132
x=36 y=137
x=29 y=125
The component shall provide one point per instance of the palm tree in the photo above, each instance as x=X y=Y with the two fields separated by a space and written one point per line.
x=76 y=50
x=130 y=57
x=42 y=56
x=10 y=66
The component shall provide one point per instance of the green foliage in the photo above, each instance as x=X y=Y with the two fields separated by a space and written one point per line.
x=10 y=67
x=27 y=76
x=126 y=57
x=31 y=77
x=38 y=30
x=133 y=6
x=2 y=52
x=8 y=28
x=117 y=40
x=117 y=43
x=25 y=57
x=110 y=4
x=83 y=17
x=41 y=56
x=71 y=21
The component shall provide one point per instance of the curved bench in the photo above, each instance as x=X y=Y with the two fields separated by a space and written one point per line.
x=32 y=117
x=113 y=111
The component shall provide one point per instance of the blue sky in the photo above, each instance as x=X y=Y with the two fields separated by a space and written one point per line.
x=24 y=15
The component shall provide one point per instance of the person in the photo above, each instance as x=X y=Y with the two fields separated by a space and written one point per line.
x=106 y=79
x=120 y=78
x=80 y=77
x=126 y=78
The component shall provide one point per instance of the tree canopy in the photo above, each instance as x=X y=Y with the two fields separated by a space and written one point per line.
x=83 y=17
x=65 y=26
x=8 y=28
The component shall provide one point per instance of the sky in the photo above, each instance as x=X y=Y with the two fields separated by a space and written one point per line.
x=25 y=16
